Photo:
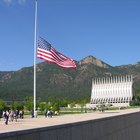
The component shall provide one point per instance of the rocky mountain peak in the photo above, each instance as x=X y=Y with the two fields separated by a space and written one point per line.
x=92 y=60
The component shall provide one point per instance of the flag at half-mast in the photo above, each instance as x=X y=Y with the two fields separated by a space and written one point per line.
x=47 y=53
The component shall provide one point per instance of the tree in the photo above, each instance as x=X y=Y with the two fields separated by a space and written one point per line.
x=72 y=104
x=82 y=103
x=17 y=106
x=56 y=107
x=64 y=102
x=2 y=105
x=136 y=98
x=42 y=106
x=29 y=103
x=47 y=106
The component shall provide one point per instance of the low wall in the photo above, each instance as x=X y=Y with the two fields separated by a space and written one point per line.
x=123 y=127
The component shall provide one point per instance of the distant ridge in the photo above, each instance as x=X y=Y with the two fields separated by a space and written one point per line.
x=53 y=81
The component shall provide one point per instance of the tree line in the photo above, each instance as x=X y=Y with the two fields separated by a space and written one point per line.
x=53 y=104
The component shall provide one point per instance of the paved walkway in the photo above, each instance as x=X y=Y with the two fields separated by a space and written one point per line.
x=41 y=121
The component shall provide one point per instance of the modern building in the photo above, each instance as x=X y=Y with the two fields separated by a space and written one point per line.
x=116 y=90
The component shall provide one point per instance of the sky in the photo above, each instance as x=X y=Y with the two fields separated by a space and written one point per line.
x=106 y=29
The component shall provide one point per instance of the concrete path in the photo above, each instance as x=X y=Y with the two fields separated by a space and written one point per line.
x=41 y=121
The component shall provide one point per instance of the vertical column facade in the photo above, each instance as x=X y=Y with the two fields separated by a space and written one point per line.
x=115 y=89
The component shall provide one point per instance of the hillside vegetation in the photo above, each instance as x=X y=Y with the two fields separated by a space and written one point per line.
x=53 y=81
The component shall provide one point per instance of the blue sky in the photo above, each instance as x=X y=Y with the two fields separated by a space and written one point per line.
x=106 y=29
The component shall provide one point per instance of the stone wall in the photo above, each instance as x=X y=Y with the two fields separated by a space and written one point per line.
x=123 y=127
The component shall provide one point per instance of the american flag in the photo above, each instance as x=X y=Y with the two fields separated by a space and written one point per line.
x=46 y=52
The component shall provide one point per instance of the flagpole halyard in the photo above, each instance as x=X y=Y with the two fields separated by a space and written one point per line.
x=35 y=44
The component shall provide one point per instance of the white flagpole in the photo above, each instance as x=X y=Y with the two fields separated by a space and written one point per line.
x=35 y=44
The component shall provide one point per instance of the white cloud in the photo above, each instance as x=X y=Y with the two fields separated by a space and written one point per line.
x=21 y=2
x=9 y=2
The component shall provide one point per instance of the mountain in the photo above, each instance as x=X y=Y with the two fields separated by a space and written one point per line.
x=53 y=81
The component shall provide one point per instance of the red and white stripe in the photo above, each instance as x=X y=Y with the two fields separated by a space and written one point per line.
x=55 y=57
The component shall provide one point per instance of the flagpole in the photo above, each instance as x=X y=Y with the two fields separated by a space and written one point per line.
x=35 y=44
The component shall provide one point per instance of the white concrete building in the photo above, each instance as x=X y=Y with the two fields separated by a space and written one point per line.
x=116 y=90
